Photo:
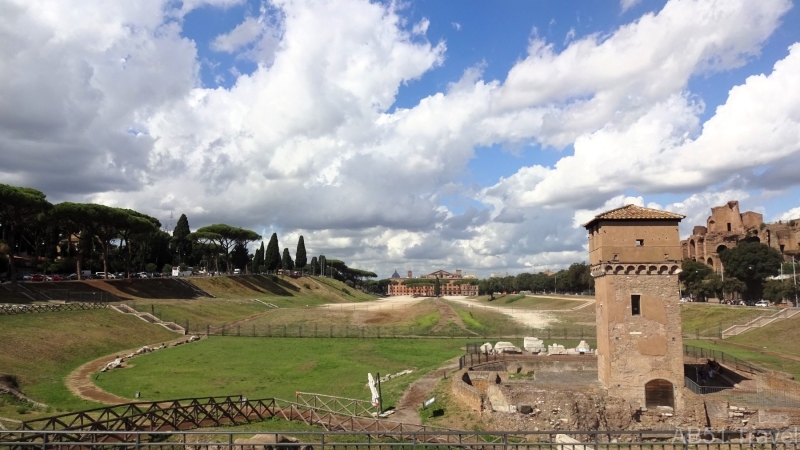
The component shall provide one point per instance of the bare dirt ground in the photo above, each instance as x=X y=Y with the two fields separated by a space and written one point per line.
x=419 y=391
x=528 y=317
x=385 y=304
x=378 y=312
x=447 y=315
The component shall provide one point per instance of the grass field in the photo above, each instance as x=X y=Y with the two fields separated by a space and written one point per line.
x=707 y=320
x=41 y=349
x=259 y=367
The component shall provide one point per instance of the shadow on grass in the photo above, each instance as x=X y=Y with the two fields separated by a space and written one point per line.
x=271 y=284
x=156 y=288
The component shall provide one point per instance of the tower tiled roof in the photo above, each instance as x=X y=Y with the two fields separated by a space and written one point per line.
x=633 y=212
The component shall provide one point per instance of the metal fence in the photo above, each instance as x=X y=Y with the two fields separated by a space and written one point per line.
x=693 y=439
x=700 y=353
x=388 y=331
x=760 y=396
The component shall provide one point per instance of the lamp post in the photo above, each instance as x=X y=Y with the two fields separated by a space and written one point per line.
x=794 y=275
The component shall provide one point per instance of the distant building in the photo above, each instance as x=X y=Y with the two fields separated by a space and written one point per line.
x=726 y=226
x=449 y=284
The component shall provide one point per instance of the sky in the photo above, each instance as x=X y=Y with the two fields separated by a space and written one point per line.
x=407 y=135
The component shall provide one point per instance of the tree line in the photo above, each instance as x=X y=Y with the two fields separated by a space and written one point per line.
x=68 y=235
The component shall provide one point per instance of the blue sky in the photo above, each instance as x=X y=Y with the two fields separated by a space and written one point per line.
x=419 y=135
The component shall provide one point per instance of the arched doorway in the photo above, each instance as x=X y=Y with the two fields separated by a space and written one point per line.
x=692 y=249
x=659 y=392
x=710 y=262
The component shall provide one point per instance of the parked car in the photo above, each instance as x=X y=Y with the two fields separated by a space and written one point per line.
x=142 y=275
x=73 y=276
x=54 y=278
x=37 y=277
x=763 y=303
x=102 y=275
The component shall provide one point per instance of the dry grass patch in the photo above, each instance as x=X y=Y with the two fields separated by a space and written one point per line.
x=200 y=312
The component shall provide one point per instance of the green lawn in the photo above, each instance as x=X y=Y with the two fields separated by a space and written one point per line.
x=708 y=320
x=41 y=349
x=279 y=367
x=781 y=336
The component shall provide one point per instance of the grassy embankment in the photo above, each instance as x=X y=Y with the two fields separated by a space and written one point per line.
x=260 y=368
x=41 y=349
x=705 y=320
x=281 y=290
x=239 y=297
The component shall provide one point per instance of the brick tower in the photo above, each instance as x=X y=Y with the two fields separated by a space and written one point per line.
x=635 y=257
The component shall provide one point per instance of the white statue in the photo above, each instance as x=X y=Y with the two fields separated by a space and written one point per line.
x=376 y=399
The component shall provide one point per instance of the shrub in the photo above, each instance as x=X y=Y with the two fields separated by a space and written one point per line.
x=345 y=291
x=306 y=285
x=167 y=269
x=349 y=283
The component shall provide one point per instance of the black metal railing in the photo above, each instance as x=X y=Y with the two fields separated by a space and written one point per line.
x=721 y=357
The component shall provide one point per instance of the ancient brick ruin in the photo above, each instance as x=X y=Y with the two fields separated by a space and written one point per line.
x=726 y=226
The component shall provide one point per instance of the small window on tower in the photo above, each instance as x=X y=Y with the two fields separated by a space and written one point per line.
x=639 y=242
x=729 y=226
x=636 y=305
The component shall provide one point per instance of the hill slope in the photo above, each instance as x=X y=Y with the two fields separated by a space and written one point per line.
x=41 y=349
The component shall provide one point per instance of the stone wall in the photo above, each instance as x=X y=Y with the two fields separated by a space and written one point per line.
x=644 y=347
x=466 y=393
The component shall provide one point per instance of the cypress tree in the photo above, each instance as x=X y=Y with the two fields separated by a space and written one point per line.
x=322 y=265
x=272 y=259
x=314 y=266
x=437 y=290
x=300 y=256
x=286 y=262
x=258 y=260
x=183 y=246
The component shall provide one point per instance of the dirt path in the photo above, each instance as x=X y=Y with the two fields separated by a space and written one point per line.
x=449 y=315
x=80 y=382
x=409 y=404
